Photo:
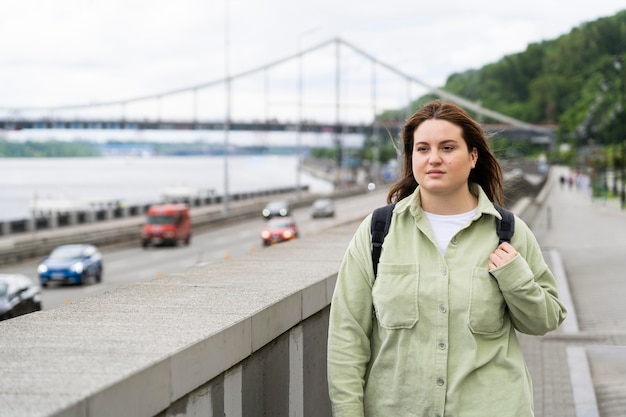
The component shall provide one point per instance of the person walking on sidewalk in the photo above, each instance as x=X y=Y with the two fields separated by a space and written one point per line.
x=434 y=333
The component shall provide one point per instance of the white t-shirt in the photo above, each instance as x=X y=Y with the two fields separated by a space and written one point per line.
x=446 y=226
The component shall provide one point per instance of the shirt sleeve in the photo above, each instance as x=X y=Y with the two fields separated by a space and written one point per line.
x=529 y=287
x=350 y=326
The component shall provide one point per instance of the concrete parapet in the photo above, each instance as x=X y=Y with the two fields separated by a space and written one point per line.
x=247 y=335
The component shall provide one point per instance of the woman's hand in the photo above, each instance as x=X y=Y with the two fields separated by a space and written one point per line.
x=503 y=254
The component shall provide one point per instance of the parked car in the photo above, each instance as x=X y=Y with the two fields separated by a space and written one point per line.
x=18 y=295
x=73 y=264
x=279 y=229
x=323 y=207
x=167 y=224
x=279 y=208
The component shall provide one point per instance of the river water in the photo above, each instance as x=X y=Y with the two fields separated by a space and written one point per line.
x=28 y=182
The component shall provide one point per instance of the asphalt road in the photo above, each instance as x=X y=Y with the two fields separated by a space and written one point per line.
x=129 y=263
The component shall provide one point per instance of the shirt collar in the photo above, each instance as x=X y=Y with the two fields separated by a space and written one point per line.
x=414 y=204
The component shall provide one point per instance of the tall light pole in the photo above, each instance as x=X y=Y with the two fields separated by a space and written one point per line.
x=195 y=107
x=337 y=116
x=618 y=63
x=227 y=116
x=375 y=131
x=299 y=131
x=605 y=186
x=614 y=143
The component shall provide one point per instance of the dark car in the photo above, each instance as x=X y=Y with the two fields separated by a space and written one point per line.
x=323 y=207
x=18 y=295
x=280 y=208
x=71 y=264
x=279 y=229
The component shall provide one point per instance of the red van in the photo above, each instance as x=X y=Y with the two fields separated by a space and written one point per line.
x=167 y=224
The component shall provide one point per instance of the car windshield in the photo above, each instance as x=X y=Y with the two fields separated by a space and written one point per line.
x=277 y=205
x=279 y=222
x=67 y=252
x=160 y=219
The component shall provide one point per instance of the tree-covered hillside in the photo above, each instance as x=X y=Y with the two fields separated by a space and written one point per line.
x=577 y=81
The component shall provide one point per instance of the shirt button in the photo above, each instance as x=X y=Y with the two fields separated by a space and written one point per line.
x=455 y=240
x=441 y=345
x=444 y=271
x=440 y=382
x=437 y=415
x=442 y=308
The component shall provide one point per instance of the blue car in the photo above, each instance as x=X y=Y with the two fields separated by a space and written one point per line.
x=72 y=264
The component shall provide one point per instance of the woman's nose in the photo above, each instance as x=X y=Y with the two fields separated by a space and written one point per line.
x=434 y=157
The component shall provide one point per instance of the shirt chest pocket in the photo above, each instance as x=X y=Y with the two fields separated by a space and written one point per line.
x=395 y=295
x=486 y=308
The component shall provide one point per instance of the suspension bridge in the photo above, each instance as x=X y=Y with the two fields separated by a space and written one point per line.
x=334 y=87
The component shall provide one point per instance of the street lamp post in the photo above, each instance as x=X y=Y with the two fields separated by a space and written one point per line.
x=618 y=63
x=339 y=175
x=613 y=161
x=226 y=200
x=614 y=157
x=375 y=132
x=299 y=131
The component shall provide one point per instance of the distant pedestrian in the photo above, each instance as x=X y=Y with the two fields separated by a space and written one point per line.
x=562 y=180
x=434 y=333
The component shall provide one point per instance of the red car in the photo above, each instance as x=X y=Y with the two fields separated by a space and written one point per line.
x=279 y=229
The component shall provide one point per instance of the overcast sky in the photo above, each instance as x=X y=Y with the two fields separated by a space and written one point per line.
x=61 y=52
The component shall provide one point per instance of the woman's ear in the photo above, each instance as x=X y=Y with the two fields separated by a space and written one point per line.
x=474 y=157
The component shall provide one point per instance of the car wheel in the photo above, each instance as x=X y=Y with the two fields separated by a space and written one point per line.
x=188 y=240
x=44 y=284
x=99 y=275
x=144 y=244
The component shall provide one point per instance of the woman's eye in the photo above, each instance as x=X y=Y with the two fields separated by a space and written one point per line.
x=421 y=149
x=448 y=148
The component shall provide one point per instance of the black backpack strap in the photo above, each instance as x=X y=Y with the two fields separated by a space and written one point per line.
x=381 y=219
x=505 y=227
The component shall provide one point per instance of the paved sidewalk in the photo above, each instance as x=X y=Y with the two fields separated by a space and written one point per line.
x=580 y=369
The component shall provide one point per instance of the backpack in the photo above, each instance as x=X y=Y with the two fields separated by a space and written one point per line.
x=381 y=219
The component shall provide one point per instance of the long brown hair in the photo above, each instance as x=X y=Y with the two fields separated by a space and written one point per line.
x=487 y=172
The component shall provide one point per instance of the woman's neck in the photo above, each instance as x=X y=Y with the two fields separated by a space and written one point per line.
x=460 y=202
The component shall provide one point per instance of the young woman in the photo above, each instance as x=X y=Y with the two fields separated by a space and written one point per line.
x=434 y=333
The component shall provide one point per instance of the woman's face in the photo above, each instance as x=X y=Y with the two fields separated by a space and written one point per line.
x=441 y=160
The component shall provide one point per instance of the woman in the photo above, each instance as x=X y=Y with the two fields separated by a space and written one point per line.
x=434 y=333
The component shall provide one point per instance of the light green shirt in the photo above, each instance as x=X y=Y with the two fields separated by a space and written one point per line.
x=443 y=341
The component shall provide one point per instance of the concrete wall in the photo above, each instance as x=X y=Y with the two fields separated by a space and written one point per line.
x=243 y=337
x=287 y=378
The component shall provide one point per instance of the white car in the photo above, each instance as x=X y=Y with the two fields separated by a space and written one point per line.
x=323 y=207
